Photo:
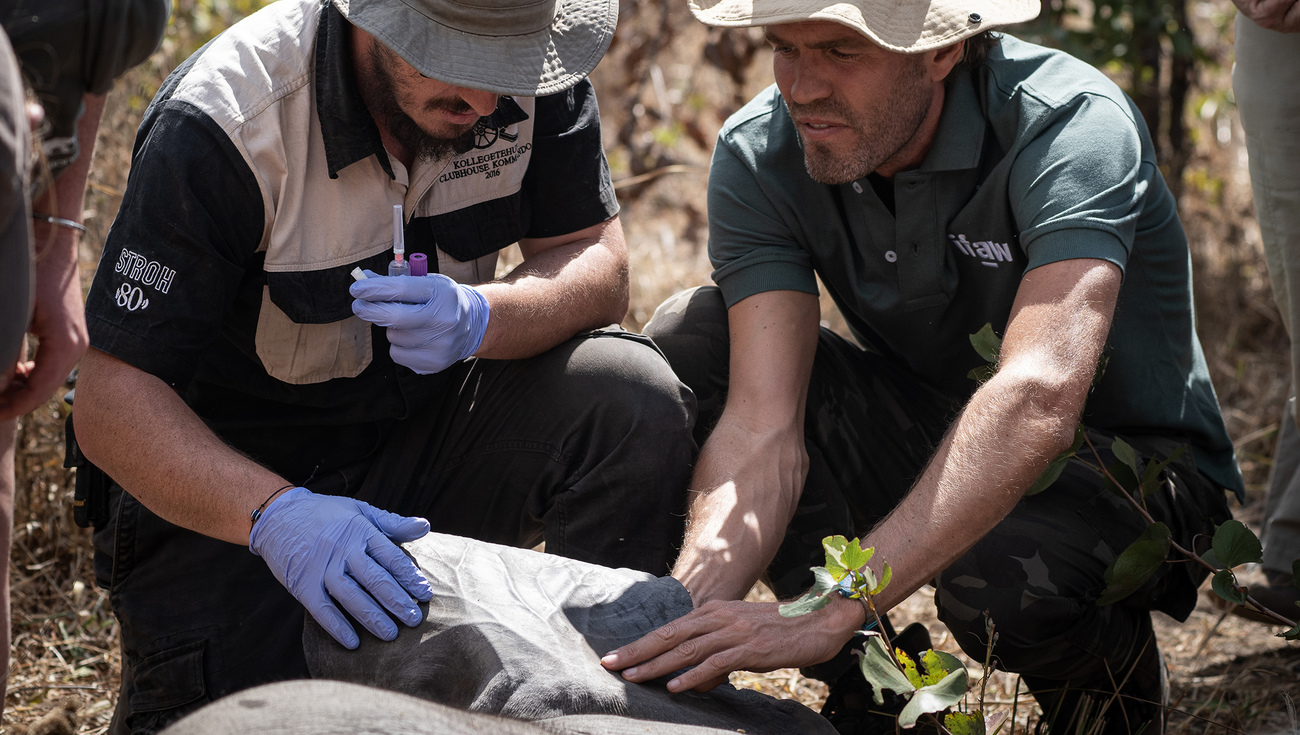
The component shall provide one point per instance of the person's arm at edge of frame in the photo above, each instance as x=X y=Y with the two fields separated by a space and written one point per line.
x=1058 y=327
x=59 y=317
x=1282 y=16
x=565 y=284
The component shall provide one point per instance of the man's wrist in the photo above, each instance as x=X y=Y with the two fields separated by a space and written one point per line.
x=846 y=616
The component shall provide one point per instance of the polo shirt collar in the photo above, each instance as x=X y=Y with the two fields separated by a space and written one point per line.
x=349 y=132
x=959 y=139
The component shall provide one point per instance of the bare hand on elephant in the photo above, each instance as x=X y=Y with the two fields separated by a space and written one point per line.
x=721 y=637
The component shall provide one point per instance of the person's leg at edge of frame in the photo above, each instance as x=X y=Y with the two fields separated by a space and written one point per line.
x=16 y=288
x=8 y=432
x=1264 y=79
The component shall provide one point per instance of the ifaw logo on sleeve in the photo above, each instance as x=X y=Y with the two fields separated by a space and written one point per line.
x=988 y=252
x=147 y=273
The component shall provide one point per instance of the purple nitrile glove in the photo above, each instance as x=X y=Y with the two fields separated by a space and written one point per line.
x=323 y=546
x=433 y=322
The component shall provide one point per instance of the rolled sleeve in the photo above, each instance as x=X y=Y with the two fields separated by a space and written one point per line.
x=174 y=260
x=752 y=250
x=568 y=183
x=1078 y=189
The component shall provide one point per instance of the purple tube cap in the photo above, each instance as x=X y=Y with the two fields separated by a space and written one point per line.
x=419 y=264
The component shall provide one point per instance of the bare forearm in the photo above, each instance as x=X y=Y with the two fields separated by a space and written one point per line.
x=971 y=483
x=136 y=429
x=555 y=293
x=736 y=521
x=64 y=197
x=751 y=470
x=1010 y=429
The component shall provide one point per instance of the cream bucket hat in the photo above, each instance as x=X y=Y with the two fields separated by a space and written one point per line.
x=516 y=47
x=910 y=26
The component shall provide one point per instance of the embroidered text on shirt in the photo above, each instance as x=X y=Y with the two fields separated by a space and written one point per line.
x=136 y=267
x=990 y=253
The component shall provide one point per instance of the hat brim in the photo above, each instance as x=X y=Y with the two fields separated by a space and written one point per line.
x=905 y=27
x=543 y=62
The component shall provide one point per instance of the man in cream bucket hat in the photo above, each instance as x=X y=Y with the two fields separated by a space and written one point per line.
x=938 y=178
x=243 y=390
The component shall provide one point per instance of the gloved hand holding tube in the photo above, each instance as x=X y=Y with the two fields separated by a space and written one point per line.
x=433 y=322
x=324 y=546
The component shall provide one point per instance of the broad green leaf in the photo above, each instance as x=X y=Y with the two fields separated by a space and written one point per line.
x=986 y=343
x=856 y=557
x=1124 y=453
x=1235 y=544
x=1151 y=476
x=938 y=665
x=910 y=669
x=1225 y=586
x=981 y=374
x=934 y=698
x=1209 y=558
x=885 y=576
x=1050 y=474
x=835 y=547
x=964 y=723
x=1136 y=564
x=814 y=599
x=1124 y=475
x=880 y=671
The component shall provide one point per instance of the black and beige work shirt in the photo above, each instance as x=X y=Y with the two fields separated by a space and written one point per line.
x=259 y=182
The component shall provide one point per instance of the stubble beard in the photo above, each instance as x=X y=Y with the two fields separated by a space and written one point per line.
x=380 y=97
x=877 y=136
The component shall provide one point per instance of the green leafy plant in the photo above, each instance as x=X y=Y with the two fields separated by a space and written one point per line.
x=1134 y=480
x=932 y=684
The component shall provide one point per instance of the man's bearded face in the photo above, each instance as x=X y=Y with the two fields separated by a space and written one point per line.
x=426 y=117
x=854 y=104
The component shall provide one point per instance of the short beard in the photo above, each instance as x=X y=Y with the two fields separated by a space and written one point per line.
x=876 y=140
x=380 y=96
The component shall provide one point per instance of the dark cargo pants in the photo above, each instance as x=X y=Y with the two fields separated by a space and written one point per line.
x=586 y=447
x=871 y=427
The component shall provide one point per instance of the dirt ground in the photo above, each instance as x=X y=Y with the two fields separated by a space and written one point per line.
x=665 y=88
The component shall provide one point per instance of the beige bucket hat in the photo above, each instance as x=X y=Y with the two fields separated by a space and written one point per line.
x=910 y=26
x=516 y=47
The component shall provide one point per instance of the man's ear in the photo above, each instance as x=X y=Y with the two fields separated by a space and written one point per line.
x=944 y=59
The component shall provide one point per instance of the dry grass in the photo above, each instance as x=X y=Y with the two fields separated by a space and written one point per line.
x=663 y=102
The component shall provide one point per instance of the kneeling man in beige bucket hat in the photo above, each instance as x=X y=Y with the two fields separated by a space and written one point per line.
x=938 y=178
x=243 y=393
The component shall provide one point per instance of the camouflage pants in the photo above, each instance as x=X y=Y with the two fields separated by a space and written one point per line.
x=872 y=426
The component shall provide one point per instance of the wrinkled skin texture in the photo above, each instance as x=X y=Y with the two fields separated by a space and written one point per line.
x=518 y=633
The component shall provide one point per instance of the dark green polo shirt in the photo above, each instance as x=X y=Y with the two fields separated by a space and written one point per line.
x=1038 y=158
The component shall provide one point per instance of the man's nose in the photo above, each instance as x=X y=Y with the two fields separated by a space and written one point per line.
x=484 y=103
x=807 y=84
